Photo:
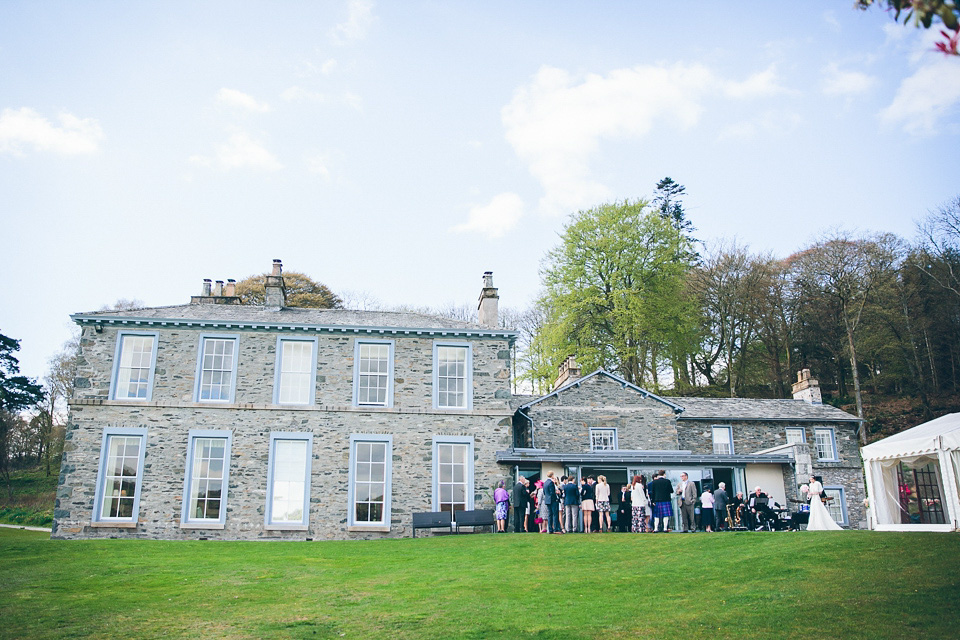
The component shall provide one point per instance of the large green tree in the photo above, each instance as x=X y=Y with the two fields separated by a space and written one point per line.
x=17 y=393
x=614 y=292
x=302 y=291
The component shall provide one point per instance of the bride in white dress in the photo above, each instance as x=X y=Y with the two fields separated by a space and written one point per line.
x=820 y=519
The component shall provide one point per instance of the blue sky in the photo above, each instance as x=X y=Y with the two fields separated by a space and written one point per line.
x=400 y=149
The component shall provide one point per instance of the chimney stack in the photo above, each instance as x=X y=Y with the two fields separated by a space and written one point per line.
x=569 y=371
x=216 y=294
x=488 y=309
x=276 y=292
x=807 y=388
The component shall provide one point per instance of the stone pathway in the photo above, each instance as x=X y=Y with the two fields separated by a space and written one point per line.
x=23 y=526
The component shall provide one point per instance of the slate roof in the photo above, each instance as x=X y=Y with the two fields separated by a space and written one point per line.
x=252 y=315
x=756 y=409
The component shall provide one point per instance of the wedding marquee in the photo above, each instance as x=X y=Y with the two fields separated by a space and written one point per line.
x=912 y=477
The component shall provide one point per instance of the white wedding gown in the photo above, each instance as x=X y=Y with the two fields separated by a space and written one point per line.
x=820 y=519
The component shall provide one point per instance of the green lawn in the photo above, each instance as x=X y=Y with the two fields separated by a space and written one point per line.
x=736 y=585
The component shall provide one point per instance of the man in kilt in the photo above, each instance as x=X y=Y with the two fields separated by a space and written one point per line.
x=661 y=494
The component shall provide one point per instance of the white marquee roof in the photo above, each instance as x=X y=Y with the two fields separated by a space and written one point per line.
x=942 y=433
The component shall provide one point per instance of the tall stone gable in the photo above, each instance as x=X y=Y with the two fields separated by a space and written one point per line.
x=563 y=420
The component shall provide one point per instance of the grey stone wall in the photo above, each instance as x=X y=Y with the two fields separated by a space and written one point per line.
x=165 y=466
x=562 y=423
x=750 y=437
x=171 y=414
x=178 y=349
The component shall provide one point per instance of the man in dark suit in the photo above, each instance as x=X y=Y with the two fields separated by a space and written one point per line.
x=519 y=499
x=550 y=499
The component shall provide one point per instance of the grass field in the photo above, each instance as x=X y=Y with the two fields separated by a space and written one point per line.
x=33 y=497
x=735 y=585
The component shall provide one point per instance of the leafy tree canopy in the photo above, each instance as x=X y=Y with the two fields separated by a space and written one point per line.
x=613 y=290
x=302 y=291
x=16 y=392
x=925 y=13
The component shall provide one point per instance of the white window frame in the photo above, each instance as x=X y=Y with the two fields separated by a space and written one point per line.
x=356 y=373
x=233 y=375
x=278 y=370
x=186 y=520
x=114 y=376
x=384 y=524
x=468 y=375
x=469 y=471
x=120 y=432
x=833 y=442
x=713 y=438
x=803 y=434
x=283 y=525
x=600 y=431
x=842 y=502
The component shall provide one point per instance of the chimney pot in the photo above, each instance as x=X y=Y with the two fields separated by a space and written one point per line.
x=206 y=287
x=807 y=388
x=231 y=289
x=218 y=288
x=277 y=267
x=276 y=292
x=488 y=312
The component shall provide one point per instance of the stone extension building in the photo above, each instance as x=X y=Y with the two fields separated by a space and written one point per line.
x=228 y=421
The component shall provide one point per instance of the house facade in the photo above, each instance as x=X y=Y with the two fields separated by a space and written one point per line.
x=601 y=424
x=220 y=420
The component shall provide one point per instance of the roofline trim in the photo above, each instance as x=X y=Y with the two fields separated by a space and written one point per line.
x=640 y=457
x=87 y=319
x=756 y=419
x=576 y=383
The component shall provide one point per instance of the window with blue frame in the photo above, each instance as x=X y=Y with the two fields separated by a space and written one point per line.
x=134 y=364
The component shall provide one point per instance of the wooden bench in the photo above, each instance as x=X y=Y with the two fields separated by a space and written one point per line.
x=431 y=520
x=475 y=518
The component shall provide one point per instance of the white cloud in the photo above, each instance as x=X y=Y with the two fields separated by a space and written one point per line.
x=831 y=19
x=770 y=123
x=925 y=97
x=25 y=127
x=837 y=82
x=240 y=151
x=555 y=123
x=240 y=99
x=352 y=100
x=759 y=85
x=297 y=94
x=359 y=18
x=318 y=165
x=495 y=218
x=328 y=67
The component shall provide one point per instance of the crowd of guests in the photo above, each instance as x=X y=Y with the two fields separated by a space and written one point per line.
x=555 y=505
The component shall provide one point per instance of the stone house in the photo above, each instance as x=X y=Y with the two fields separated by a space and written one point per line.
x=601 y=424
x=220 y=420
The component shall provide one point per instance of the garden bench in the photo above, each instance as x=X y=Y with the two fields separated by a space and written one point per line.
x=431 y=520
x=475 y=518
